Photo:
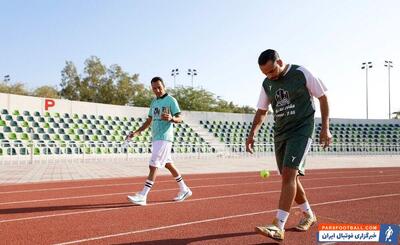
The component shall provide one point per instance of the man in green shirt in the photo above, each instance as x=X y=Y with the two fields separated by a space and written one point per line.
x=164 y=112
x=290 y=89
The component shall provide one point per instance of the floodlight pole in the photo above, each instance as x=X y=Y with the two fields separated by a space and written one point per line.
x=389 y=64
x=174 y=73
x=192 y=72
x=366 y=66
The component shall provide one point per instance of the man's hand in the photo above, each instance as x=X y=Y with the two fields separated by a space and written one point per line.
x=166 y=117
x=131 y=135
x=325 y=137
x=250 y=144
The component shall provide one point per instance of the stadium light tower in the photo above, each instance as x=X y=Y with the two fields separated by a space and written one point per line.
x=366 y=66
x=6 y=78
x=192 y=72
x=174 y=73
x=389 y=64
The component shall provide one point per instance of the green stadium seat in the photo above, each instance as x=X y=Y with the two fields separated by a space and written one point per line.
x=12 y=136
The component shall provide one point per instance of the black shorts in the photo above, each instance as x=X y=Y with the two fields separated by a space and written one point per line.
x=292 y=153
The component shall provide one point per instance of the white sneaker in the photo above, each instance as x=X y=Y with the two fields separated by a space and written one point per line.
x=138 y=199
x=182 y=195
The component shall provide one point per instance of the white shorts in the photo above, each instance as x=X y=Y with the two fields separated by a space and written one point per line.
x=160 y=153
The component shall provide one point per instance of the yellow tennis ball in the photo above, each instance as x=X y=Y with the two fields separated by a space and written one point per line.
x=264 y=173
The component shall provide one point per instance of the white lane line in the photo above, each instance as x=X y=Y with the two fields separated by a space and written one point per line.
x=186 y=201
x=204 y=186
x=217 y=219
x=125 y=184
x=166 y=181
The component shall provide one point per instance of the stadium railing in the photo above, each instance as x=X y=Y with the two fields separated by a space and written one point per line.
x=33 y=152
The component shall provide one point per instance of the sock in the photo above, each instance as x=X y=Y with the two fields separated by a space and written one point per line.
x=281 y=217
x=181 y=183
x=305 y=207
x=147 y=187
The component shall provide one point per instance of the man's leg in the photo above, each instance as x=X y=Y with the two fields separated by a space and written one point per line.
x=309 y=216
x=300 y=193
x=288 y=194
x=276 y=230
x=297 y=149
x=141 y=197
x=151 y=178
x=171 y=167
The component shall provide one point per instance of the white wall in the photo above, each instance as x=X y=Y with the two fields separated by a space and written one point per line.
x=18 y=102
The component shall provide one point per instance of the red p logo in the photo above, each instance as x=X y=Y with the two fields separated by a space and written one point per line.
x=48 y=103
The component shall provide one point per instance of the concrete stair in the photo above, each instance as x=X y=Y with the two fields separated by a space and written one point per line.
x=207 y=136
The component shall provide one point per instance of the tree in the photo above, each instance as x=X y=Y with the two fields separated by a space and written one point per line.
x=47 y=92
x=192 y=99
x=16 y=88
x=125 y=84
x=141 y=97
x=202 y=100
x=98 y=83
x=70 y=82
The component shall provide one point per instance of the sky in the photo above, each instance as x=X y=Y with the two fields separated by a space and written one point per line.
x=221 y=39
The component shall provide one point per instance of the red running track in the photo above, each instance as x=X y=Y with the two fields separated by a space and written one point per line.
x=224 y=208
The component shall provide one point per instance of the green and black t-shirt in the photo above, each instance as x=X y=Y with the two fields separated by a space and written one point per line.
x=291 y=98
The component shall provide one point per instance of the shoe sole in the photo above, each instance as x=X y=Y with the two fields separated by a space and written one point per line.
x=188 y=194
x=261 y=232
x=300 y=229
x=137 y=203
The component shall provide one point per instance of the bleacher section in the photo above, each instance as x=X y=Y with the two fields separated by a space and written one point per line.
x=48 y=128
x=62 y=133
x=351 y=134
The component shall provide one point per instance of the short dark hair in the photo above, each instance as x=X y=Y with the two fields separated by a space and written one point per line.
x=156 y=79
x=267 y=55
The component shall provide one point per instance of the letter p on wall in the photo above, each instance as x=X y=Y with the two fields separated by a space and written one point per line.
x=48 y=103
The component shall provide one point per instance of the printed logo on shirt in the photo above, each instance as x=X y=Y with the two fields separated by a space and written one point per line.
x=282 y=97
x=156 y=112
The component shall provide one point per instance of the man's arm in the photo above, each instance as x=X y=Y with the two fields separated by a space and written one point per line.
x=259 y=118
x=325 y=137
x=174 y=119
x=177 y=118
x=145 y=125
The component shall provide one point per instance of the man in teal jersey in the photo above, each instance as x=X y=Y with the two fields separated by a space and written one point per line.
x=290 y=89
x=164 y=112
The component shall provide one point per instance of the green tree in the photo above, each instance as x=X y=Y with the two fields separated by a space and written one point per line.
x=192 y=99
x=98 y=83
x=142 y=96
x=46 y=91
x=70 y=82
x=15 y=88
x=124 y=84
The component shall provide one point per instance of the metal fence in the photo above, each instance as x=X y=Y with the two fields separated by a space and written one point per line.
x=32 y=152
